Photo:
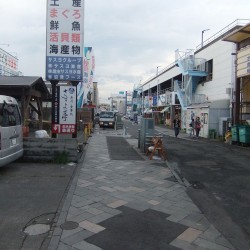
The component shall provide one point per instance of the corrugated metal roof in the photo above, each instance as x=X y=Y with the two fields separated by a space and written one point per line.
x=31 y=82
x=19 y=80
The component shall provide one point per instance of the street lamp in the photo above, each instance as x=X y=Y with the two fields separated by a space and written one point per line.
x=202 y=32
x=157 y=70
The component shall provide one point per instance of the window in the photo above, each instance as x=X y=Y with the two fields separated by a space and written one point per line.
x=9 y=115
x=107 y=114
x=209 y=70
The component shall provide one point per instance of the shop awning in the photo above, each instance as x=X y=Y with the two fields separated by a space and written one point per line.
x=165 y=109
x=217 y=104
x=239 y=35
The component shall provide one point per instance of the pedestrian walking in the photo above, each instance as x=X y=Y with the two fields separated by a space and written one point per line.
x=197 y=126
x=177 y=125
x=192 y=127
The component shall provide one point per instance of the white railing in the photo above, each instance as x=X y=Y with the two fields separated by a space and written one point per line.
x=180 y=93
x=237 y=22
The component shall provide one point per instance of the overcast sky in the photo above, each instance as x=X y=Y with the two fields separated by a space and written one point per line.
x=129 y=38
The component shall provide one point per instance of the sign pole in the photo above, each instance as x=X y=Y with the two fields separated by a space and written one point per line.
x=53 y=108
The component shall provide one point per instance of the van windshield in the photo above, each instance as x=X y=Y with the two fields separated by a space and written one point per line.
x=106 y=114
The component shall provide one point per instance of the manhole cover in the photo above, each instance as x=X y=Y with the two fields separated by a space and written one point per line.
x=37 y=229
x=69 y=225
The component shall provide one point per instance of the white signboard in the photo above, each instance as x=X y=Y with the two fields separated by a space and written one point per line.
x=161 y=100
x=8 y=64
x=65 y=122
x=64 y=60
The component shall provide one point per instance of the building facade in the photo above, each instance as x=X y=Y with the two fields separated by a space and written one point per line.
x=201 y=82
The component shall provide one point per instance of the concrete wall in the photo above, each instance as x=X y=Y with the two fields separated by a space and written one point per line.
x=50 y=149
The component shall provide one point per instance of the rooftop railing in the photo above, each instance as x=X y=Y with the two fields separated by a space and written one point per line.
x=237 y=22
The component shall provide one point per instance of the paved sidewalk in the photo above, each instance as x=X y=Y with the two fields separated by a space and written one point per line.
x=130 y=204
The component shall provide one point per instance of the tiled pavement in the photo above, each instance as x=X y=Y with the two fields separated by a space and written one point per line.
x=103 y=187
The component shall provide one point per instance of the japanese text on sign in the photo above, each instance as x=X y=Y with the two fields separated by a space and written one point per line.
x=64 y=120
x=8 y=64
x=67 y=105
x=64 y=40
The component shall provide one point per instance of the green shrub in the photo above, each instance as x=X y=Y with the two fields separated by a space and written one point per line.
x=61 y=158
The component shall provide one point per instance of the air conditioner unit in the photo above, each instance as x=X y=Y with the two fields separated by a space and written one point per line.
x=228 y=91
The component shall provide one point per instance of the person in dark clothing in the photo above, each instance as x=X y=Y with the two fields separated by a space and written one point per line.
x=177 y=125
x=197 y=126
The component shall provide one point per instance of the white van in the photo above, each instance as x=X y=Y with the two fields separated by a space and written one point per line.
x=11 y=134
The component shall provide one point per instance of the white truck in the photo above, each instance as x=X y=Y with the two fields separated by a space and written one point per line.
x=107 y=119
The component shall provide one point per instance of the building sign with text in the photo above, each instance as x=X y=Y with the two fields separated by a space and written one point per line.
x=64 y=57
x=64 y=116
x=8 y=64
x=243 y=62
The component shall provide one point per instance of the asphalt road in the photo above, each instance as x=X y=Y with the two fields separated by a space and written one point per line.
x=218 y=180
x=30 y=195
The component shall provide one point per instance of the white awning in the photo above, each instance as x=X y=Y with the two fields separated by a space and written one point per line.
x=165 y=109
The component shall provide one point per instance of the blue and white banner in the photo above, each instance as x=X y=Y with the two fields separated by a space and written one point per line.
x=85 y=88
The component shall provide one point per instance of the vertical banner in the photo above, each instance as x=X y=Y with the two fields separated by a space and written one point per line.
x=155 y=100
x=85 y=88
x=64 y=56
x=65 y=111
x=55 y=107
